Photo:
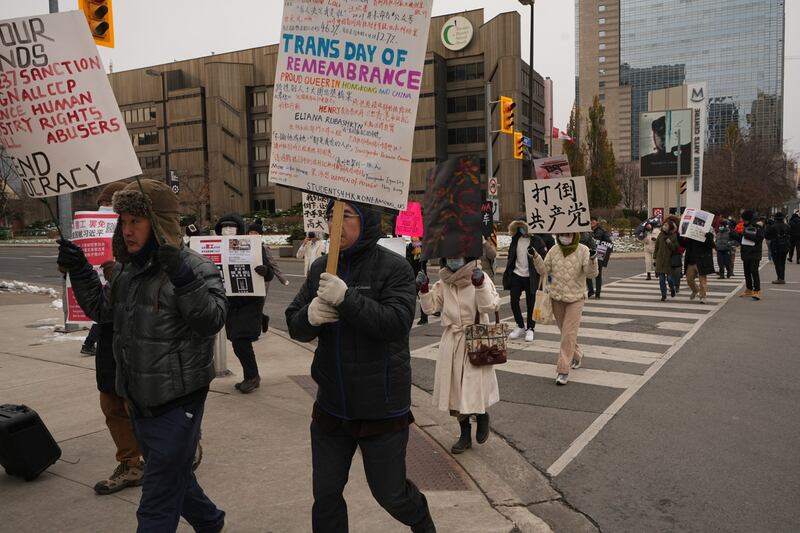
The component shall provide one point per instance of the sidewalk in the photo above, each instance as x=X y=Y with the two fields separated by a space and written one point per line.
x=256 y=463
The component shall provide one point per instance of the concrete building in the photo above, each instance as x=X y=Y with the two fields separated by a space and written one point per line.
x=208 y=120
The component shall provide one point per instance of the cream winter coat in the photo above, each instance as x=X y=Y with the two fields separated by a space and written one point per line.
x=650 y=249
x=459 y=386
x=567 y=274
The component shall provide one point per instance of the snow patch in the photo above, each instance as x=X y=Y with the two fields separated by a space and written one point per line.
x=57 y=304
x=22 y=287
x=63 y=338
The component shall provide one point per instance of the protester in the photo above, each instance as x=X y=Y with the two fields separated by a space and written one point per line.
x=766 y=223
x=362 y=368
x=270 y=266
x=699 y=263
x=751 y=239
x=794 y=225
x=780 y=235
x=413 y=255
x=243 y=325
x=650 y=236
x=167 y=302
x=666 y=257
x=599 y=234
x=568 y=264
x=724 y=247
x=462 y=293
x=312 y=248
x=520 y=276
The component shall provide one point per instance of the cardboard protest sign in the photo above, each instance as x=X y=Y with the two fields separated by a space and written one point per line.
x=346 y=92
x=409 y=222
x=59 y=119
x=92 y=231
x=453 y=210
x=236 y=257
x=604 y=250
x=695 y=224
x=487 y=219
x=552 y=167
x=557 y=205
x=315 y=208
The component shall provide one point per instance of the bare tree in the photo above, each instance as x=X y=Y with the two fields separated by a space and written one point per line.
x=7 y=175
x=631 y=186
x=194 y=195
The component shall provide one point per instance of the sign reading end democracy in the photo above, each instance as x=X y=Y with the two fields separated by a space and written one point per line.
x=59 y=119
x=557 y=205
x=346 y=93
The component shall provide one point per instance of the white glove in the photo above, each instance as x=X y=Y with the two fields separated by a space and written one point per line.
x=331 y=289
x=320 y=313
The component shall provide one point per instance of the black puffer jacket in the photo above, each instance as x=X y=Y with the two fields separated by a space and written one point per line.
x=362 y=362
x=541 y=242
x=794 y=225
x=751 y=251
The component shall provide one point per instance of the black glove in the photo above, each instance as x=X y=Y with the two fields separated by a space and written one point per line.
x=169 y=257
x=70 y=257
x=261 y=270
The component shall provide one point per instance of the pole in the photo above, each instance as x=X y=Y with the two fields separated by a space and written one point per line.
x=530 y=93
x=166 y=132
x=489 y=151
x=678 y=179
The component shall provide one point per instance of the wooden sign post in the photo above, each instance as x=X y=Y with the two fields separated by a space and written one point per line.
x=335 y=237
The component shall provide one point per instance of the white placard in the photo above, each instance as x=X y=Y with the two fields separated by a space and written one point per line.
x=695 y=224
x=315 y=208
x=395 y=244
x=347 y=86
x=236 y=257
x=557 y=205
x=59 y=119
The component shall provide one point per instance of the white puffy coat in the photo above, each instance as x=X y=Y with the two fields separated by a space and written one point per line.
x=650 y=248
x=567 y=274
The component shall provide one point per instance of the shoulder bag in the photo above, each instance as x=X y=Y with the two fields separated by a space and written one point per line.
x=486 y=343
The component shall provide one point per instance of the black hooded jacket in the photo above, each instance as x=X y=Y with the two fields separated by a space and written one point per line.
x=362 y=362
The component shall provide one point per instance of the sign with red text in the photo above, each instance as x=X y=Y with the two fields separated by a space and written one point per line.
x=236 y=257
x=409 y=221
x=557 y=205
x=59 y=119
x=552 y=167
x=347 y=86
x=92 y=231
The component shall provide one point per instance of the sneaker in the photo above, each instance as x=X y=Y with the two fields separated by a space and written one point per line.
x=561 y=379
x=517 y=333
x=123 y=476
x=590 y=294
x=663 y=298
x=672 y=293
x=88 y=351
x=597 y=296
x=693 y=295
x=702 y=299
x=529 y=335
x=779 y=282
x=575 y=364
x=198 y=457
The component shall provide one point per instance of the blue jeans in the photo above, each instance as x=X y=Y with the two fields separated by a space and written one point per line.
x=170 y=489
x=724 y=262
x=663 y=280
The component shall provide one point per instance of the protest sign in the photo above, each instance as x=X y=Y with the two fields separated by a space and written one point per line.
x=552 y=167
x=557 y=205
x=409 y=222
x=315 y=208
x=59 y=119
x=347 y=87
x=92 y=231
x=395 y=244
x=696 y=223
x=453 y=210
x=236 y=257
x=604 y=250
x=487 y=219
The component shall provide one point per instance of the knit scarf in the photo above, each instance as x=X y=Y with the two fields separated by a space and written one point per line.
x=568 y=249
x=460 y=278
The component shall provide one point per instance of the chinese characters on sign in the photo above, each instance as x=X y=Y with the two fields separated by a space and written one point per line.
x=552 y=167
x=59 y=119
x=236 y=257
x=346 y=91
x=315 y=213
x=557 y=205
x=92 y=231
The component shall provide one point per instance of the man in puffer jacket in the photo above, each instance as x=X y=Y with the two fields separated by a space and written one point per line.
x=724 y=247
x=167 y=302
x=361 y=318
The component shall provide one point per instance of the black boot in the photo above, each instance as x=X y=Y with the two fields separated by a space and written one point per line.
x=426 y=525
x=482 y=433
x=648 y=276
x=464 y=442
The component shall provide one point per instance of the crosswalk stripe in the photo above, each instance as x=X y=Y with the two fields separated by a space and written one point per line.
x=649 y=290
x=633 y=296
x=613 y=335
x=592 y=351
x=640 y=312
x=675 y=326
x=655 y=305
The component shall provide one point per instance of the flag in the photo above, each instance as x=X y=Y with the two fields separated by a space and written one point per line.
x=562 y=135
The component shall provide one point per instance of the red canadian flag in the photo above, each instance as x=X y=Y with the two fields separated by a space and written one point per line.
x=559 y=134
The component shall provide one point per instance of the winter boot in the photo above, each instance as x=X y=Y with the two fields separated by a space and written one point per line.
x=248 y=385
x=756 y=295
x=648 y=276
x=464 y=442
x=482 y=433
x=745 y=293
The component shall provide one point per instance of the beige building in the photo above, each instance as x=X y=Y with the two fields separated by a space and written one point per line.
x=208 y=120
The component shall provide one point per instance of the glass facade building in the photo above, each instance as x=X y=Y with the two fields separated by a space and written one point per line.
x=736 y=46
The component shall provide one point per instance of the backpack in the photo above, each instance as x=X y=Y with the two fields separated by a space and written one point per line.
x=782 y=240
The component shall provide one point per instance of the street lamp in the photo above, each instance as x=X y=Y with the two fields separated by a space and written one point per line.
x=162 y=75
x=530 y=83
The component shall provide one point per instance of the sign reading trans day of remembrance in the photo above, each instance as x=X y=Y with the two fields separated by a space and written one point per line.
x=59 y=120
x=345 y=103
x=557 y=205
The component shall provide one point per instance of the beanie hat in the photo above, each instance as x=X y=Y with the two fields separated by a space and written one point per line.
x=108 y=192
x=747 y=215
x=255 y=227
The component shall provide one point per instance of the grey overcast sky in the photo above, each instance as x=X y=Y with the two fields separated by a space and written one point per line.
x=149 y=32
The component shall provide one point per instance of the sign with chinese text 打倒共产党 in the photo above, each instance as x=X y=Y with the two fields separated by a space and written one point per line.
x=557 y=205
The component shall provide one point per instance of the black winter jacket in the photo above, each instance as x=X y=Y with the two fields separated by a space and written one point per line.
x=778 y=229
x=541 y=243
x=794 y=225
x=699 y=253
x=362 y=364
x=753 y=251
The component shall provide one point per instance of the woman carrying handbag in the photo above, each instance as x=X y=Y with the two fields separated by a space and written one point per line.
x=462 y=292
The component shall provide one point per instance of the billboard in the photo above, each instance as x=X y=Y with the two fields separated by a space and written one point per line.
x=660 y=134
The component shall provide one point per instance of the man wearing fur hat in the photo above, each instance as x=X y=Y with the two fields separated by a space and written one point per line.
x=166 y=303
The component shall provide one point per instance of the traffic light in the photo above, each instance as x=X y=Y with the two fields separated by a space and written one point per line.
x=101 y=22
x=519 y=146
x=507 y=106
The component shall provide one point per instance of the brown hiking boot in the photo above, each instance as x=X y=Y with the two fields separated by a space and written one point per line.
x=124 y=476
x=745 y=293
x=756 y=295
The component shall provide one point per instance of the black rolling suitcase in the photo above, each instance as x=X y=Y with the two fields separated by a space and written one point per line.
x=26 y=446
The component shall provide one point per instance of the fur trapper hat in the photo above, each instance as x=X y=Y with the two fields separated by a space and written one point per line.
x=165 y=206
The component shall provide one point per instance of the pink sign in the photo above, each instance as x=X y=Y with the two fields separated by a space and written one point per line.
x=409 y=222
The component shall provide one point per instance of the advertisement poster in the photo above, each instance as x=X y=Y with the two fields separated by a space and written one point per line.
x=557 y=205
x=409 y=221
x=236 y=257
x=347 y=86
x=659 y=136
x=315 y=208
x=92 y=231
x=696 y=223
x=59 y=119
x=552 y=167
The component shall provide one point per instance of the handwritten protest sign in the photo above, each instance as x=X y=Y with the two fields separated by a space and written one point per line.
x=409 y=222
x=346 y=93
x=92 y=231
x=557 y=205
x=315 y=208
x=58 y=117
x=552 y=167
x=236 y=257
x=695 y=224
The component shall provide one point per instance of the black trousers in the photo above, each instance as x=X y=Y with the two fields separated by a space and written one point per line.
x=590 y=285
x=751 y=276
x=243 y=348
x=384 y=458
x=518 y=286
x=795 y=249
x=779 y=259
x=93 y=336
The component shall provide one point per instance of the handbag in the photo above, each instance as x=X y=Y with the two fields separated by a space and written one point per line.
x=543 y=307
x=486 y=343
